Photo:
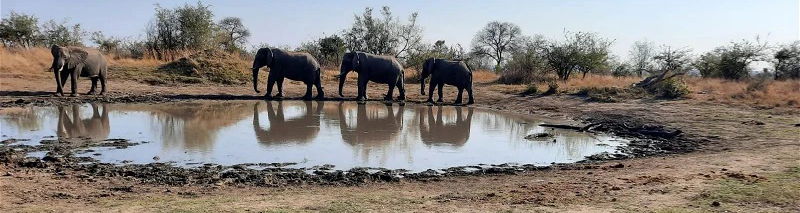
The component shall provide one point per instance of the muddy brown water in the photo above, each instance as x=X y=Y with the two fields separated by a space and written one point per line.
x=343 y=134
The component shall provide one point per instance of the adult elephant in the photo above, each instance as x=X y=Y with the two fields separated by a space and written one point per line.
x=292 y=65
x=448 y=72
x=375 y=68
x=78 y=61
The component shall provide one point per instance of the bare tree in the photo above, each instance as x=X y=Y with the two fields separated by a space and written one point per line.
x=496 y=39
x=670 y=62
x=641 y=57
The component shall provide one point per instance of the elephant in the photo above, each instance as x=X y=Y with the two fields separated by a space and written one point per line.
x=78 y=61
x=375 y=68
x=97 y=127
x=369 y=129
x=442 y=72
x=282 y=131
x=433 y=131
x=296 y=66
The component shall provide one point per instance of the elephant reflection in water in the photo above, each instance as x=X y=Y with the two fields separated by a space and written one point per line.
x=284 y=131
x=370 y=129
x=434 y=131
x=96 y=127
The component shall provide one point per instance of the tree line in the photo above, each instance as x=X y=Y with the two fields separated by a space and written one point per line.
x=499 y=46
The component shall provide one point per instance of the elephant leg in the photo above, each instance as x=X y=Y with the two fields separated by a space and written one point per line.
x=320 y=93
x=439 y=86
x=458 y=97
x=59 y=91
x=389 y=93
x=279 y=81
x=64 y=78
x=270 y=83
x=469 y=91
x=431 y=88
x=307 y=96
x=94 y=86
x=362 y=88
x=73 y=76
x=102 y=85
x=402 y=89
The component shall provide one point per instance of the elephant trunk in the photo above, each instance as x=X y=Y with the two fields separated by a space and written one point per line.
x=342 y=78
x=255 y=80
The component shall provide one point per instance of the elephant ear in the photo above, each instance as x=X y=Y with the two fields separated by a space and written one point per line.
x=55 y=50
x=431 y=65
x=76 y=56
x=270 y=57
x=356 y=60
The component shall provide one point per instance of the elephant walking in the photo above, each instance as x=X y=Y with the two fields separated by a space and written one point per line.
x=71 y=62
x=375 y=68
x=292 y=65
x=448 y=72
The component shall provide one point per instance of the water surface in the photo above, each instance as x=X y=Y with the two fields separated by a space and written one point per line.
x=344 y=134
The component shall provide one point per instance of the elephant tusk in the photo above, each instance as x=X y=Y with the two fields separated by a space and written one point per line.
x=60 y=69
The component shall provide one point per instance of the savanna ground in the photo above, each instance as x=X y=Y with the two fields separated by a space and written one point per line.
x=748 y=160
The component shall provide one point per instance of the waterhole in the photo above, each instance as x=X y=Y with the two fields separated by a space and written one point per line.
x=306 y=134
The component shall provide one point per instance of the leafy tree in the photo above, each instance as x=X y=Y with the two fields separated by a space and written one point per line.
x=641 y=57
x=528 y=63
x=189 y=27
x=54 y=33
x=233 y=34
x=383 y=35
x=496 y=39
x=581 y=51
x=732 y=61
x=107 y=44
x=787 y=65
x=19 y=30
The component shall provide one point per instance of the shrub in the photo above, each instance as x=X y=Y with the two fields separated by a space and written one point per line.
x=212 y=65
x=671 y=88
x=552 y=88
x=532 y=89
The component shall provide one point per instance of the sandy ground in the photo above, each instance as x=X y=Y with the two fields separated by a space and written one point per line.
x=733 y=149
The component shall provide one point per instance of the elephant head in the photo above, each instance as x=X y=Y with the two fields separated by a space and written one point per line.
x=350 y=62
x=427 y=69
x=264 y=57
x=66 y=57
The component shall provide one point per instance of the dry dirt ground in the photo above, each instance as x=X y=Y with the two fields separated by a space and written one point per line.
x=740 y=166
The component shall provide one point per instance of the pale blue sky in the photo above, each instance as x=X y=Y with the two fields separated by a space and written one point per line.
x=697 y=24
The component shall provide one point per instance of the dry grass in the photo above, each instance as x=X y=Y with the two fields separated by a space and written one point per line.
x=34 y=62
x=785 y=93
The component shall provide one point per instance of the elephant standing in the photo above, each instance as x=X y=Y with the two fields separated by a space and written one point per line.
x=292 y=65
x=97 y=127
x=284 y=131
x=434 y=131
x=78 y=61
x=448 y=72
x=375 y=68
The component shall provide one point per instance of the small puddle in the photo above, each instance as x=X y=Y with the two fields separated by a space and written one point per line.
x=299 y=134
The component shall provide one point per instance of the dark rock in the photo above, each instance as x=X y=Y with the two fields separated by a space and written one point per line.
x=618 y=166
x=539 y=136
x=715 y=204
x=753 y=122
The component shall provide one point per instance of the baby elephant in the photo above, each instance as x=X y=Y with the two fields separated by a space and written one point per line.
x=292 y=65
x=78 y=61
x=448 y=72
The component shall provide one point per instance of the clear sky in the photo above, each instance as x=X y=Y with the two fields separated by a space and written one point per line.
x=698 y=24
